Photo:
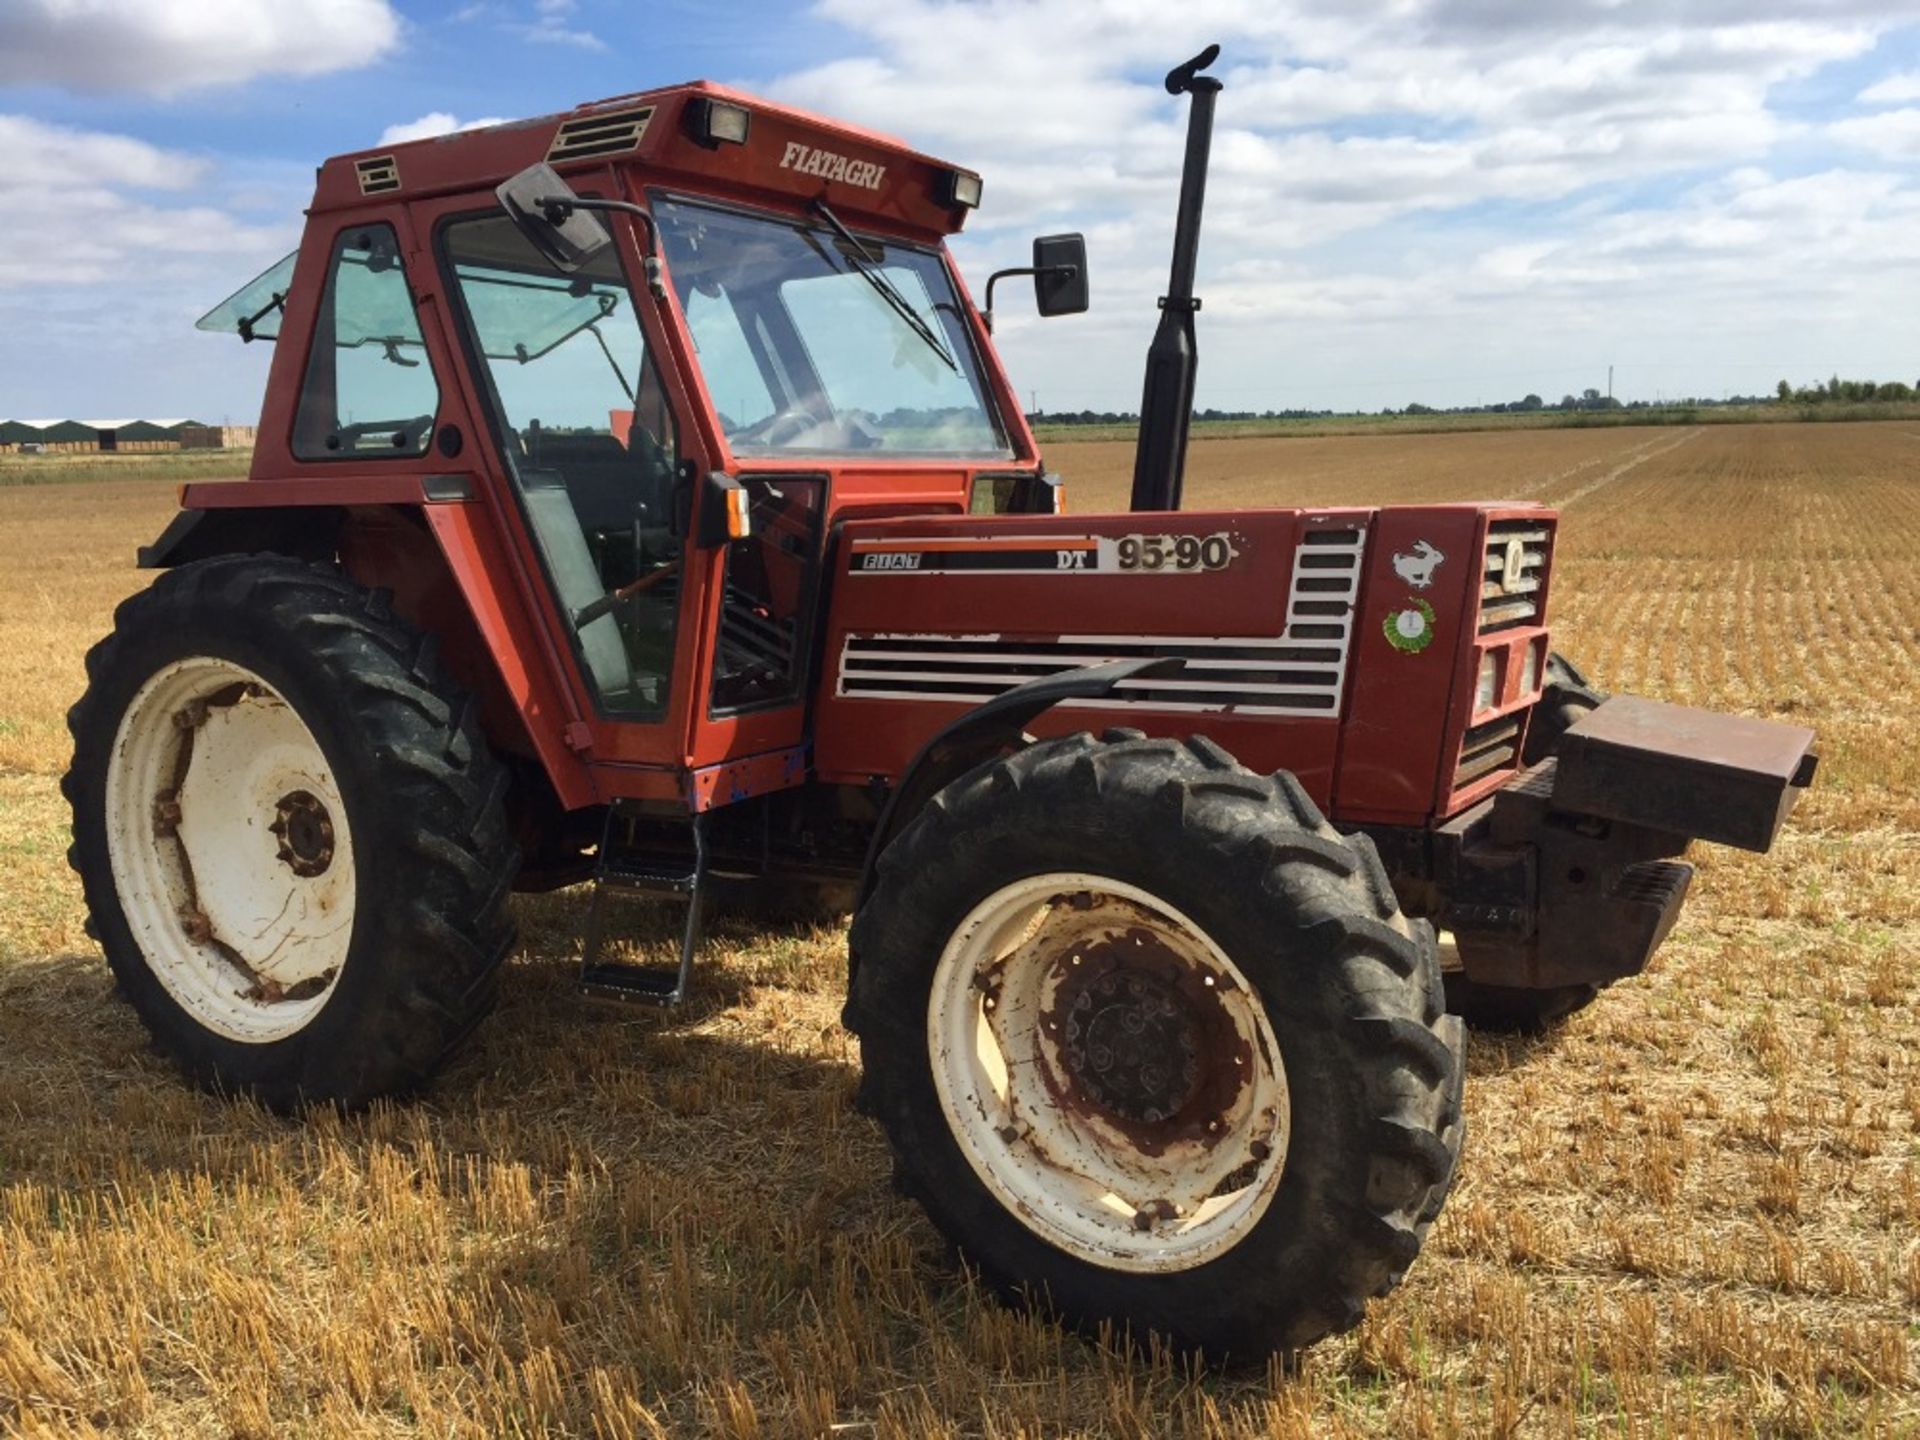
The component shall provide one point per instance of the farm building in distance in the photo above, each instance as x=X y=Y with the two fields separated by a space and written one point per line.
x=74 y=437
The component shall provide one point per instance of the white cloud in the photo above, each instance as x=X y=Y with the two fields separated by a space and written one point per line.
x=1438 y=169
x=552 y=26
x=100 y=314
x=96 y=188
x=34 y=153
x=434 y=123
x=163 y=47
x=1894 y=90
x=1894 y=134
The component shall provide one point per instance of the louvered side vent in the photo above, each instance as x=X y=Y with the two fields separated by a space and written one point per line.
x=1487 y=748
x=609 y=133
x=1302 y=672
x=1250 y=677
x=378 y=175
x=1323 y=593
x=1516 y=569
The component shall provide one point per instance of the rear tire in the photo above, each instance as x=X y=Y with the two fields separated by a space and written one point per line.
x=1286 y=932
x=385 y=863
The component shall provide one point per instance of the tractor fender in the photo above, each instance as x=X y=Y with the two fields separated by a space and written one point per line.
x=988 y=730
x=305 y=533
x=441 y=557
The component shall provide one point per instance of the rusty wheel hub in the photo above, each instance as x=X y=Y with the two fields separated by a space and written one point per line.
x=305 y=832
x=1145 y=1038
x=1130 y=1042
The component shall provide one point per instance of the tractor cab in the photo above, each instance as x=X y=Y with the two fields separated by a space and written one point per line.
x=710 y=329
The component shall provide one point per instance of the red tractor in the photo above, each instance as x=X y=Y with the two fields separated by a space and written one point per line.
x=639 y=501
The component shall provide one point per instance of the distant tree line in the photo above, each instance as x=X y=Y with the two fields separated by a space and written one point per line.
x=1132 y=417
x=1834 y=390
x=1850 y=391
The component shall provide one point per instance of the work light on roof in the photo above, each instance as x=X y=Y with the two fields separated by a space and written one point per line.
x=717 y=122
x=961 y=189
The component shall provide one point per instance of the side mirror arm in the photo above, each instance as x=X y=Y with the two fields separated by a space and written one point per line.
x=986 y=314
x=557 y=209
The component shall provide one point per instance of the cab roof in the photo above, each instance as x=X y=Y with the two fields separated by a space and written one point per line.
x=789 y=155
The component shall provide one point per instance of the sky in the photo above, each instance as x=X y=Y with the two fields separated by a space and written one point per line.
x=1444 y=201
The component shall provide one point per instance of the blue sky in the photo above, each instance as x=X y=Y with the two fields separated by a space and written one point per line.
x=1438 y=200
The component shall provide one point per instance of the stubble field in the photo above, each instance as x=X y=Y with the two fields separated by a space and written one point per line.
x=1694 y=1210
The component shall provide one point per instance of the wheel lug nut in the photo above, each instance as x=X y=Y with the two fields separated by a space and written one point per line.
x=1153 y=1213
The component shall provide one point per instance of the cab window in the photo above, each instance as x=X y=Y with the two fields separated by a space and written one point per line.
x=760 y=655
x=369 y=389
x=589 y=441
x=814 y=344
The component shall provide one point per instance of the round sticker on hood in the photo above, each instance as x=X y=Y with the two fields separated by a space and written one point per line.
x=1409 y=627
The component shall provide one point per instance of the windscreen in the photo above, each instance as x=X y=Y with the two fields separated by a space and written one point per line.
x=813 y=344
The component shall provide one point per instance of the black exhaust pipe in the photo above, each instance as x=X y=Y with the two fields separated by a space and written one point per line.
x=1166 y=406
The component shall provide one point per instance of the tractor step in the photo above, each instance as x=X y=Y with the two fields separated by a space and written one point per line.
x=647 y=877
x=625 y=874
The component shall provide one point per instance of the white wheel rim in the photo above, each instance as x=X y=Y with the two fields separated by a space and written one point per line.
x=1109 y=1073
x=230 y=849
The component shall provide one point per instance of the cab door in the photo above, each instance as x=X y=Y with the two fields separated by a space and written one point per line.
x=584 y=415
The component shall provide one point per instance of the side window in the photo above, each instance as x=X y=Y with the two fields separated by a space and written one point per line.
x=369 y=389
x=761 y=656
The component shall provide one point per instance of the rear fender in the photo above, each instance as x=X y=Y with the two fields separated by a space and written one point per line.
x=447 y=569
x=311 y=533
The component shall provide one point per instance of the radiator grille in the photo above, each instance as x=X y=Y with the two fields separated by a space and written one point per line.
x=1301 y=672
x=1487 y=748
x=1514 y=572
x=608 y=133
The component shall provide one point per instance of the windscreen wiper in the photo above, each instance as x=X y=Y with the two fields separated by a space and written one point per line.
x=885 y=287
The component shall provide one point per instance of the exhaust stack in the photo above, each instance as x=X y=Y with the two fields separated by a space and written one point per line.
x=1166 y=406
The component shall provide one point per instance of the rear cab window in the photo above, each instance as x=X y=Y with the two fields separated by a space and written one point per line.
x=369 y=391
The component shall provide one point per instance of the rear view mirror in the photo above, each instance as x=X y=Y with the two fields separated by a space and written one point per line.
x=548 y=213
x=1060 y=274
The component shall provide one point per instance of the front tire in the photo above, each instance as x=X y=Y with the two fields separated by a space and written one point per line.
x=290 y=833
x=1226 y=1103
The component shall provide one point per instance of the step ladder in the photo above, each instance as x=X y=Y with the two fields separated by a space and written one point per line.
x=623 y=873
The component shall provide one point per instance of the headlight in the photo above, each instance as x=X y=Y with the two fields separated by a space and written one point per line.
x=1486 y=694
